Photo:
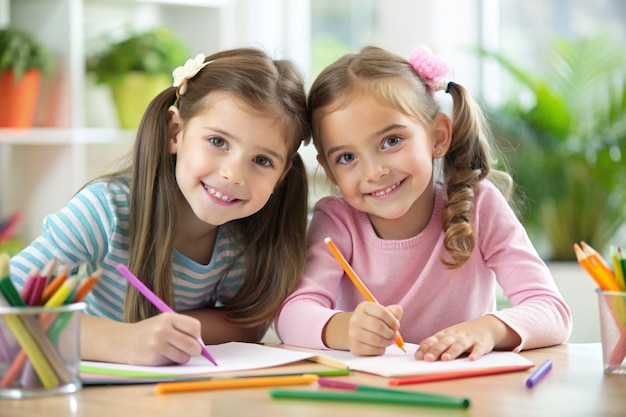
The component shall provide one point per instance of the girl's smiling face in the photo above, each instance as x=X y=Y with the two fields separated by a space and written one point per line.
x=229 y=159
x=382 y=160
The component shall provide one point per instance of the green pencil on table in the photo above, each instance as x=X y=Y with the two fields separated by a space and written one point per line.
x=364 y=393
x=368 y=397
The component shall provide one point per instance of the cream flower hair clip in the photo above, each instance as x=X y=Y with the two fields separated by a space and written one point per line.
x=187 y=72
x=433 y=70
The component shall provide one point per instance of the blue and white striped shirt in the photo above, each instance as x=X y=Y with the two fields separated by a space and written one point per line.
x=92 y=229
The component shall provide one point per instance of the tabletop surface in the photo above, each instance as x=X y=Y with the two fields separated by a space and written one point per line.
x=576 y=386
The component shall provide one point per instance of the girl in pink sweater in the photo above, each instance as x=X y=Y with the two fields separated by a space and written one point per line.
x=419 y=219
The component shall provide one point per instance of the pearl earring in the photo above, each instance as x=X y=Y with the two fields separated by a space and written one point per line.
x=438 y=152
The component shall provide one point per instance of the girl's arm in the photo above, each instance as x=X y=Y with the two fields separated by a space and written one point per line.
x=163 y=339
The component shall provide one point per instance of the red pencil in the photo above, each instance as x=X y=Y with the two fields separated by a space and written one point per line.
x=456 y=375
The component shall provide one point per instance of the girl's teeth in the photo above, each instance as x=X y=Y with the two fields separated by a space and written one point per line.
x=219 y=194
x=388 y=190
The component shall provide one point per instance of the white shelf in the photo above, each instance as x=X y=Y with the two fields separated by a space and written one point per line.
x=65 y=136
x=75 y=136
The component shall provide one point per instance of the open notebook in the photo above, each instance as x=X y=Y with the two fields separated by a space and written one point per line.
x=237 y=357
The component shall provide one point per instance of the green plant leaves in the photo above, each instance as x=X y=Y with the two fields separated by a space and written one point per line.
x=156 y=51
x=20 y=52
x=567 y=144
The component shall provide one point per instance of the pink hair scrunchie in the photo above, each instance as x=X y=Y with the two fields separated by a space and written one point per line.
x=432 y=69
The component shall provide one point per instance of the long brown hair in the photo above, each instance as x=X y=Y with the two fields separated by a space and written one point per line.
x=392 y=81
x=273 y=245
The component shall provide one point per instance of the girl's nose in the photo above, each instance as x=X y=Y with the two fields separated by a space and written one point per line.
x=233 y=172
x=374 y=169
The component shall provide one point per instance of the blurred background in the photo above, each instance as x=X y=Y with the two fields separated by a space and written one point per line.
x=551 y=74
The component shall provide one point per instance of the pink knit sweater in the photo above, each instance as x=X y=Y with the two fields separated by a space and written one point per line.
x=409 y=273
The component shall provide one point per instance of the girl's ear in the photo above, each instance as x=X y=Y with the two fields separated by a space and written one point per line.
x=442 y=135
x=174 y=127
x=329 y=173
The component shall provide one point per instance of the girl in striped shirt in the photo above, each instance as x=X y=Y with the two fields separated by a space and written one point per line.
x=209 y=212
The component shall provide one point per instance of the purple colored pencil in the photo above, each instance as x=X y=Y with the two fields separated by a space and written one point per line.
x=539 y=373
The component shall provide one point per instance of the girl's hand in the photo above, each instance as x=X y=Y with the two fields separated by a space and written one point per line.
x=372 y=328
x=163 y=339
x=477 y=337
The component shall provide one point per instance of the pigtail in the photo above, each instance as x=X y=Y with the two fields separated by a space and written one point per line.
x=154 y=199
x=468 y=161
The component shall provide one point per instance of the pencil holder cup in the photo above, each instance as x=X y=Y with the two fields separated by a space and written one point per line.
x=613 y=330
x=39 y=350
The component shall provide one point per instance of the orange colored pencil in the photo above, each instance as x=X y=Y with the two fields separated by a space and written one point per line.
x=267 y=381
x=54 y=284
x=595 y=267
x=357 y=281
x=87 y=285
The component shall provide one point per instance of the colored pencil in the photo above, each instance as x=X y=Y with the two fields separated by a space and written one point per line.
x=29 y=286
x=601 y=273
x=62 y=293
x=40 y=285
x=87 y=284
x=616 y=255
x=21 y=333
x=419 y=379
x=357 y=281
x=596 y=269
x=539 y=373
x=212 y=384
x=157 y=302
x=54 y=284
x=367 y=397
x=52 y=323
x=7 y=228
x=445 y=400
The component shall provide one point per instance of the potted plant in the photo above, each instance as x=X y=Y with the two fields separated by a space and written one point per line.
x=23 y=61
x=137 y=68
x=566 y=134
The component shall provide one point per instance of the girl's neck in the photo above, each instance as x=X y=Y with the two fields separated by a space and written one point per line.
x=412 y=223
x=195 y=239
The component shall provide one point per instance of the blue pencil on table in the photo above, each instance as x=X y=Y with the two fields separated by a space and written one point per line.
x=539 y=373
x=157 y=302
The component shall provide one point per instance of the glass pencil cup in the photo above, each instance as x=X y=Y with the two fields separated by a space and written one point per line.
x=613 y=330
x=39 y=350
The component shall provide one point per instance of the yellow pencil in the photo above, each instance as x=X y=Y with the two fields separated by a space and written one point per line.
x=60 y=295
x=357 y=281
x=268 y=381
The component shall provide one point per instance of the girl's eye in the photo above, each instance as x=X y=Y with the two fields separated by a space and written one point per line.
x=218 y=142
x=263 y=161
x=345 y=158
x=391 y=141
